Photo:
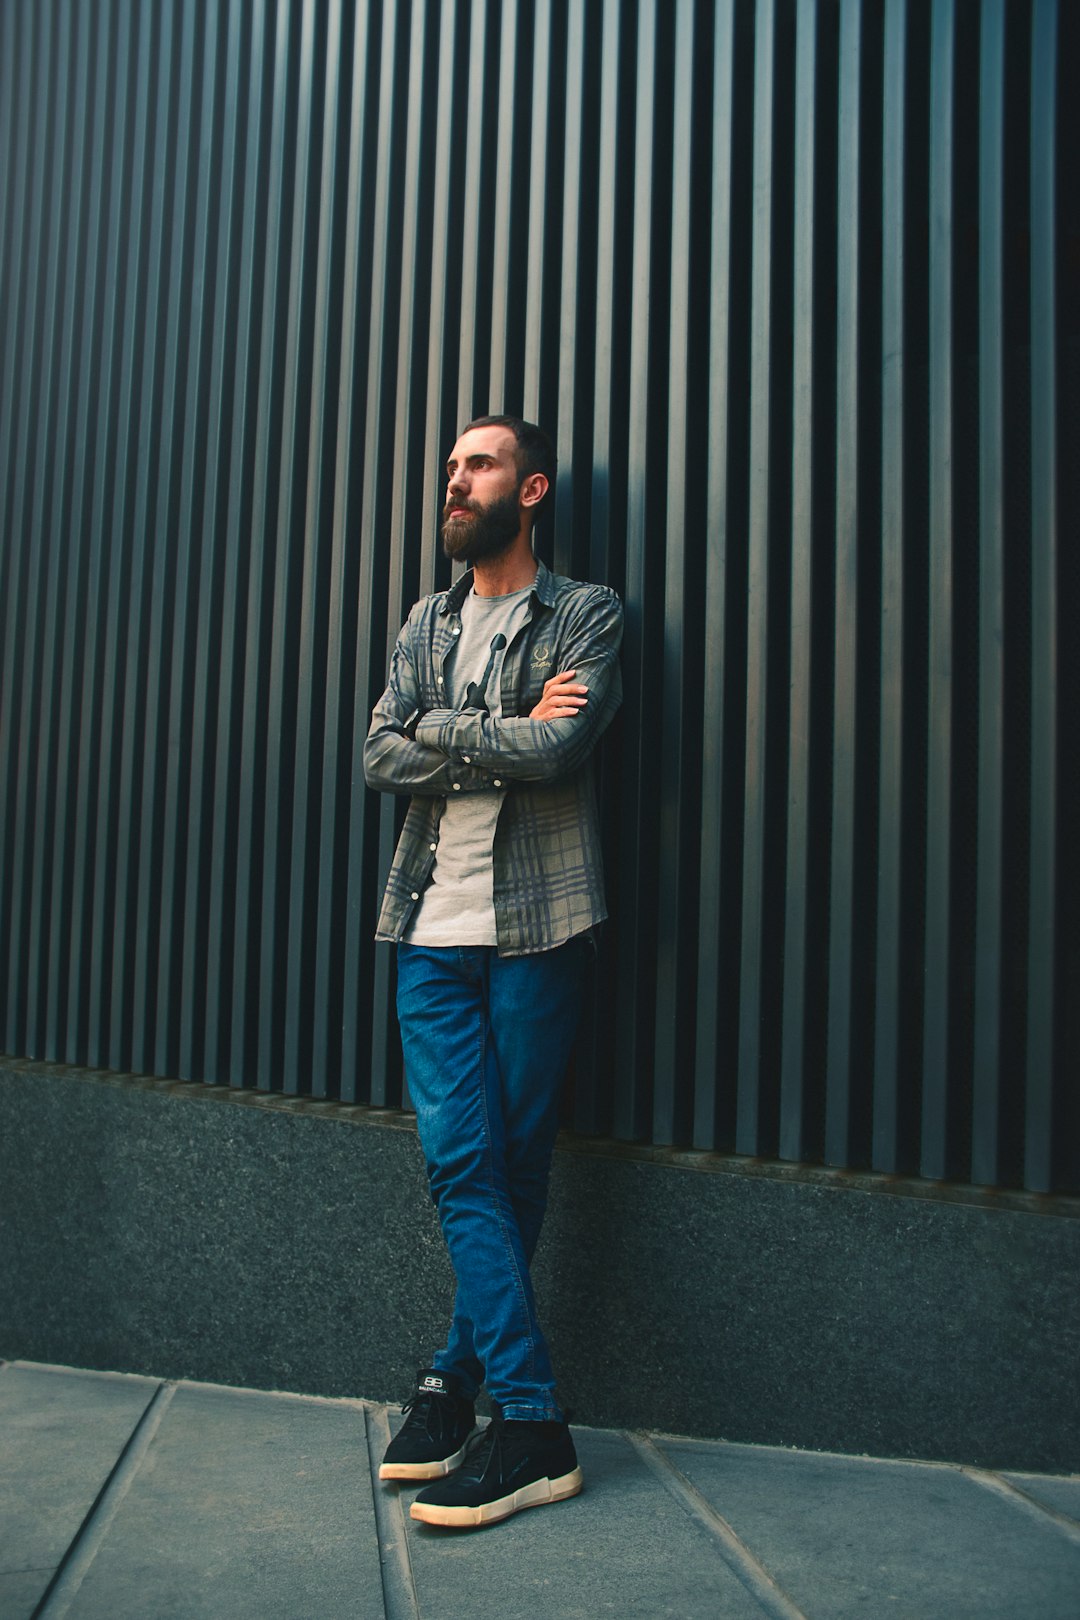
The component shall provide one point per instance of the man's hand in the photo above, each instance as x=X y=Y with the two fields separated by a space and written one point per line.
x=561 y=698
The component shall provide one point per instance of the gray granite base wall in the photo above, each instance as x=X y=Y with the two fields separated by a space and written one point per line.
x=189 y=1232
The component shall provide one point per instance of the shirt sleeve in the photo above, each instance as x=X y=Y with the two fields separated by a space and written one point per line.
x=525 y=750
x=395 y=761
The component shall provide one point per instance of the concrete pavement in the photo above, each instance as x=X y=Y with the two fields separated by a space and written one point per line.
x=129 y=1498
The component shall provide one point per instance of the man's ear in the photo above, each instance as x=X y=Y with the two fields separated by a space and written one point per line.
x=533 y=489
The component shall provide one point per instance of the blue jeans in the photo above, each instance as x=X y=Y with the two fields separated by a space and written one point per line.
x=486 y=1041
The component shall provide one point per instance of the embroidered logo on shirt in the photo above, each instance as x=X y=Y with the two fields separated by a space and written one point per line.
x=541 y=653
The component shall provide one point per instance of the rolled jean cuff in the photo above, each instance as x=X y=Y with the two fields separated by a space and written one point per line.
x=520 y=1413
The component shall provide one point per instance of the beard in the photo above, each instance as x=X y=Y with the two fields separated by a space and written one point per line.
x=487 y=532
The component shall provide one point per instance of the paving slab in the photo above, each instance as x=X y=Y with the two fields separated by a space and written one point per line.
x=624 y=1547
x=62 y=1433
x=126 y=1498
x=850 y=1537
x=247 y=1506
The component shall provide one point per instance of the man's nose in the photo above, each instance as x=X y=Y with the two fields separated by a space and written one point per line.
x=456 y=484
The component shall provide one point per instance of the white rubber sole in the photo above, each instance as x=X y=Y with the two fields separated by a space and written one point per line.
x=534 y=1495
x=428 y=1470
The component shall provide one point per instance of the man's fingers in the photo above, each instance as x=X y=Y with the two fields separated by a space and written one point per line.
x=558 y=681
x=559 y=705
x=561 y=698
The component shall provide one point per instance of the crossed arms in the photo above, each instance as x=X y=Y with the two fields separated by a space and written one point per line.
x=450 y=750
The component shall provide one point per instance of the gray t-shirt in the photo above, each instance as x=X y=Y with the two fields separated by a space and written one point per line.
x=456 y=908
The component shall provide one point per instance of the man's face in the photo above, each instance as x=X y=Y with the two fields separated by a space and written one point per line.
x=482 y=515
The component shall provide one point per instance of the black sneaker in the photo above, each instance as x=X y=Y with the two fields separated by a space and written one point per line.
x=509 y=1466
x=438 y=1422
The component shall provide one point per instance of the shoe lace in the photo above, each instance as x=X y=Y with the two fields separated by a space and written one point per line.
x=484 y=1449
x=428 y=1411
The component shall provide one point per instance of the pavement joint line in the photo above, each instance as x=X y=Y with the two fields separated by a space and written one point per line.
x=75 y=1564
x=736 y=1554
x=395 y=1561
x=1021 y=1499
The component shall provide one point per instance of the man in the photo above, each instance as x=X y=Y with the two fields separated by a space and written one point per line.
x=499 y=689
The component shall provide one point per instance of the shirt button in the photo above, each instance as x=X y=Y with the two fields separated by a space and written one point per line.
x=433 y=846
x=456 y=630
x=467 y=758
x=457 y=787
x=438 y=679
x=497 y=782
x=416 y=896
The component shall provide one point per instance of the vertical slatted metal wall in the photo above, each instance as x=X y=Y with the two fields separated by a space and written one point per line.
x=795 y=285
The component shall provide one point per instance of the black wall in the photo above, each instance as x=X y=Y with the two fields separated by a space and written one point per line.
x=795 y=289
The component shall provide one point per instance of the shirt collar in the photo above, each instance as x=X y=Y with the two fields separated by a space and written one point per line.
x=543 y=589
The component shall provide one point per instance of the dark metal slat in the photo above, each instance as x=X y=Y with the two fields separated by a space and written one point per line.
x=679 y=665
x=210 y=672
x=401 y=545
x=338 y=765
x=935 y=1088
x=9 y=123
x=95 y=752
x=283 y=672
x=468 y=191
x=803 y=420
x=888 y=1010
x=70 y=460
x=181 y=783
x=375 y=811
x=13 y=147
x=25 y=940
x=499 y=316
x=442 y=207
x=145 y=543
x=762 y=360
x=387 y=609
x=602 y=546
x=534 y=404
x=225 y=922
x=986 y=1099
x=152 y=921
x=635 y=986
x=16 y=700
x=304 y=849
x=245 y=1064
x=572 y=442
x=708 y=1033
x=79 y=745
x=19 y=155
x=571 y=136
x=74 y=89
x=128 y=227
x=365 y=809
x=846 y=629
x=1039 y=1142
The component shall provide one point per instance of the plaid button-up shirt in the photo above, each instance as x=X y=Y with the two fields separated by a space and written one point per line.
x=548 y=877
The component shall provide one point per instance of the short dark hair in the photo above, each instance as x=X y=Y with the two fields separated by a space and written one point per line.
x=535 y=451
